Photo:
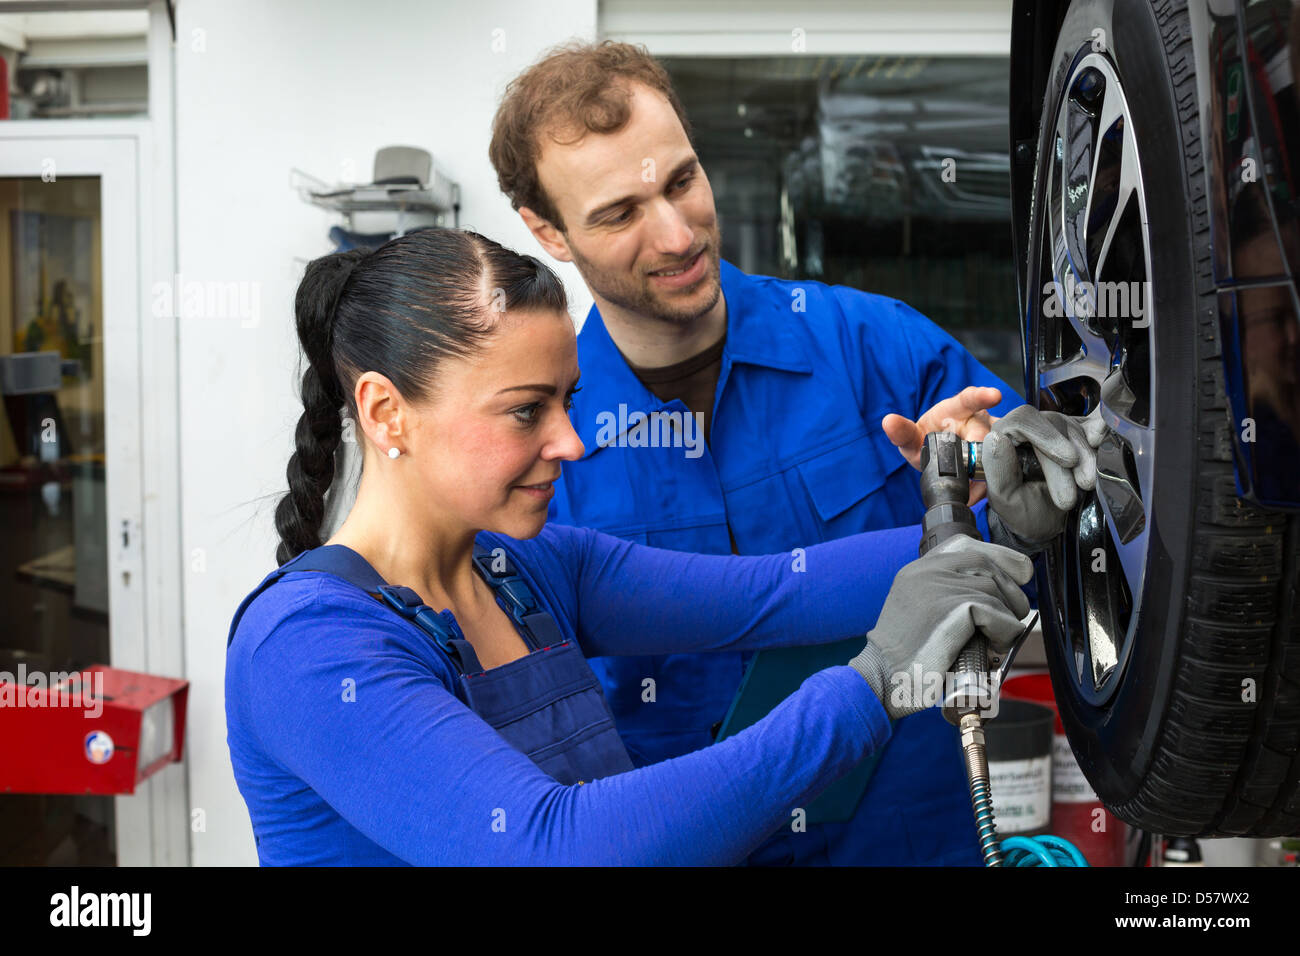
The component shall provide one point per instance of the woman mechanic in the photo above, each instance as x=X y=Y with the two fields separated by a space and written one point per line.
x=365 y=728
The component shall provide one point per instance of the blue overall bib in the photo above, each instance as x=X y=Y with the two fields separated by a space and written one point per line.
x=547 y=704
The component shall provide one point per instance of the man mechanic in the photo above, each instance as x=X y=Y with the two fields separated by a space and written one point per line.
x=807 y=395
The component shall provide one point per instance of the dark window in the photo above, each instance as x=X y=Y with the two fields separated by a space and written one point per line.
x=889 y=174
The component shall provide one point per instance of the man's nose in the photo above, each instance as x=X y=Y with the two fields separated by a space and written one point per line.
x=672 y=234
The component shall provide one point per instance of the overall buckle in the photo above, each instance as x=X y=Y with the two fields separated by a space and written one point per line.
x=408 y=604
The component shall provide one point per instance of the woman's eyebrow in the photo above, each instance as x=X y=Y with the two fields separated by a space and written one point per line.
x=545 y=389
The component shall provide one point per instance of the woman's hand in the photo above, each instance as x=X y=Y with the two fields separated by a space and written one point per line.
x=934 y=607
x=1034 y=512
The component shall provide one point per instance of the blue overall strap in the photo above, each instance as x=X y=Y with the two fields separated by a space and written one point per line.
x=516 y=598
x=343 y=562
x=440 y=626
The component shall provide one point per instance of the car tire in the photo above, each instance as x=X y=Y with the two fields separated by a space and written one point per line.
x=1170 y=605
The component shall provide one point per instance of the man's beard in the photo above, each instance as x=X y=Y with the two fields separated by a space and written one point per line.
x=636 y=294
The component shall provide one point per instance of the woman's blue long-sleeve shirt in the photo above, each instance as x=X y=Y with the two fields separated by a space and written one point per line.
x=351 y=745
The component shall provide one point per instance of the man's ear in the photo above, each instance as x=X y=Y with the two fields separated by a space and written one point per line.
x=550 y=238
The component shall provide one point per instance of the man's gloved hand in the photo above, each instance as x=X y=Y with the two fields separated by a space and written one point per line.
x=1027 y=515
x=934 y=607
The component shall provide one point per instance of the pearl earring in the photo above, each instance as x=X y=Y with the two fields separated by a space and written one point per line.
x=393 y=452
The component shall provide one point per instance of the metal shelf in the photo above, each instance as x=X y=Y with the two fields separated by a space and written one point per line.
x=414 y=204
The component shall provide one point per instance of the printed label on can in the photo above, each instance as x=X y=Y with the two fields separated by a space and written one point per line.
x=1069 y=785
x=1022 y=793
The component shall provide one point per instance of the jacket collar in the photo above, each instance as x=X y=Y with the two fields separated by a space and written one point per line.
x=758 y=333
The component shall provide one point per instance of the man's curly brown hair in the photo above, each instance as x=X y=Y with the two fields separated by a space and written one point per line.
x=575 y=88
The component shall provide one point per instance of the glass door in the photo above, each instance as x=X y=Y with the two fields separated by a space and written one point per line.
x=70 y=419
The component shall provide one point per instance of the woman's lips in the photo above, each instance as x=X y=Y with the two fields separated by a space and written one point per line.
x=540 y=492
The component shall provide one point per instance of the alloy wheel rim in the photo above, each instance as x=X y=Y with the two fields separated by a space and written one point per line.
x=1093 y=317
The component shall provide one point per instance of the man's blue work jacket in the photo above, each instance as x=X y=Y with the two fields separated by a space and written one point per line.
x=796 y=456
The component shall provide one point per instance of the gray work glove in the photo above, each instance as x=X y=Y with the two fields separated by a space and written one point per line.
x=1028 y=515
x=934 y=607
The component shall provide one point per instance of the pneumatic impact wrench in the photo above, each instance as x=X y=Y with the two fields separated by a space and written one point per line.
x=948 y=464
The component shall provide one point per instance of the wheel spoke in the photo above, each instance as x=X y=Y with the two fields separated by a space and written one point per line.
x=1065 y=585
x=1093 y=356
x=1114 y=136
x=1132 y=555
x=1117 y=404
x=1082 y=365
x=1125 y=472
x=1069 y=300
x=1079 y=140
x=1070 y=190
x=1102 y=597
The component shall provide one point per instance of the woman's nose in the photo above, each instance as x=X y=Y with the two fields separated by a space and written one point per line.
x=566 y=444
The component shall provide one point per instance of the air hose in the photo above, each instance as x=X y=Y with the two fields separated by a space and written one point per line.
x=1043 y=850
x=947 y=466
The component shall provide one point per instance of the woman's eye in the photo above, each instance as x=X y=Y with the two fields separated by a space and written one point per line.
x=527 y=415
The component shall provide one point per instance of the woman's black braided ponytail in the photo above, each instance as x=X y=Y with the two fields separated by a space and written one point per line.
x=299 y=514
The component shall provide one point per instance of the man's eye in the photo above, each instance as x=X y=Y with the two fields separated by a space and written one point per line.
x=621 y=217
x=684 y=179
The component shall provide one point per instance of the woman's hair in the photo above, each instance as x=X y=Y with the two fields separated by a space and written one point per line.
x=399 y=310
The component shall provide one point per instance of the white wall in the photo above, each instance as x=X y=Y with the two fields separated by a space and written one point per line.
x=262 y=87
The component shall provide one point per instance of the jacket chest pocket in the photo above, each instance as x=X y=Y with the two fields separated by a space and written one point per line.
x=861 y=485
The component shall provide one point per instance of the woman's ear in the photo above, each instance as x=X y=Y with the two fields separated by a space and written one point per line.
x=380 y=409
